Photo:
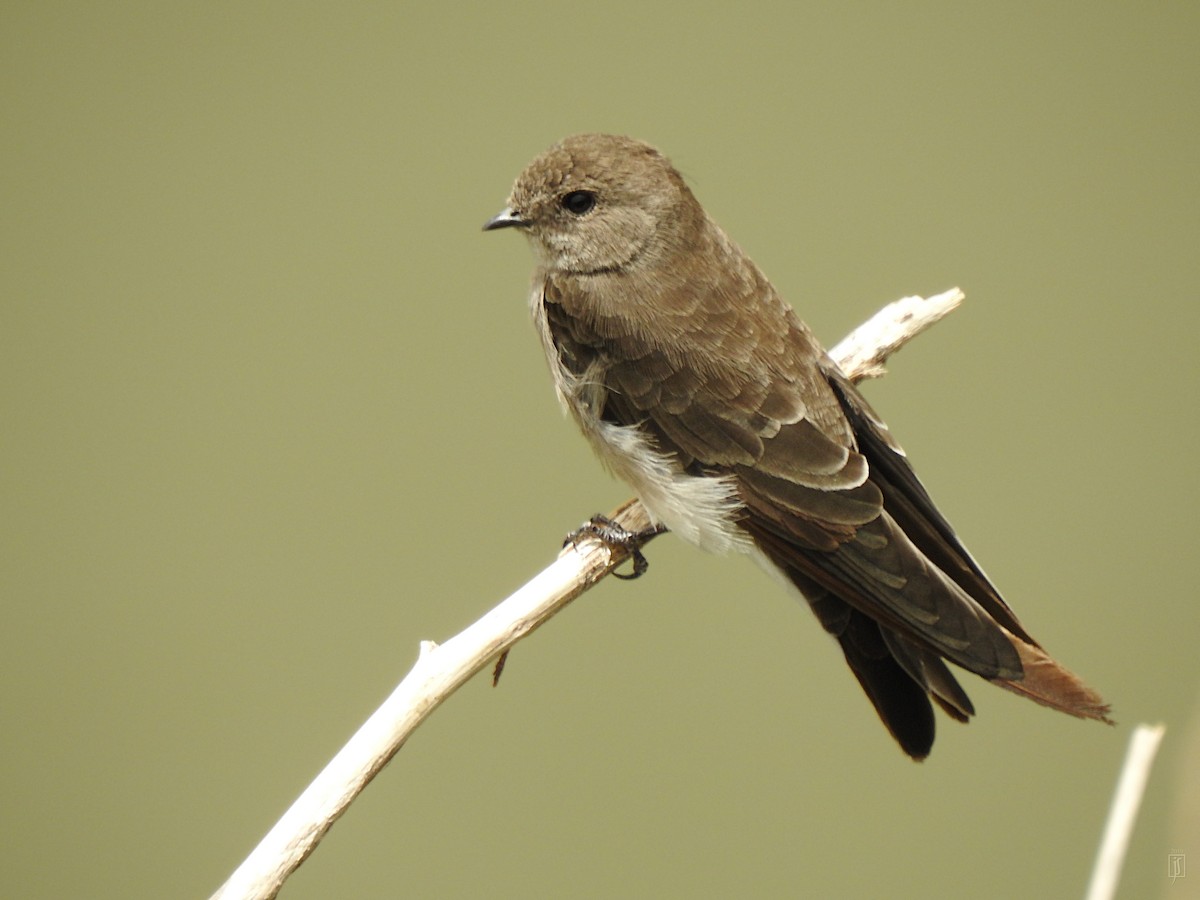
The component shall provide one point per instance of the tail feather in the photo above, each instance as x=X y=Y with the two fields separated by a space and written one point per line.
x=1052 y=684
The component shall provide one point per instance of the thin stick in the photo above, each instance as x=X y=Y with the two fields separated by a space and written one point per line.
x=862 y=353
x=440 y=670
x=1106 y=873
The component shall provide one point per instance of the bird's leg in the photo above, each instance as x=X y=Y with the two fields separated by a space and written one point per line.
x=609 y=532
x=604 y=529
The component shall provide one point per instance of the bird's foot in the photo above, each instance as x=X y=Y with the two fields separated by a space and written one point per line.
x=609 y=532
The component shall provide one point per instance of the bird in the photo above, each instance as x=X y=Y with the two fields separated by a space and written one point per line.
x=702 y=389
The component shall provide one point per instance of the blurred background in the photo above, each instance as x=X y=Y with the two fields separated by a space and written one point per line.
x=273 y=413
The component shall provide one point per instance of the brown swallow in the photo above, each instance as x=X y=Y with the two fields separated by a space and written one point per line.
x=700 y=387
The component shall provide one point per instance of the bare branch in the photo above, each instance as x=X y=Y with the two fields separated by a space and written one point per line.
x=1106 y=872
x=862 y=353
x=442 y=669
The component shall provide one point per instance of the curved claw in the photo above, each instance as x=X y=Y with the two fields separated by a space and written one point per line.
x=609 y=532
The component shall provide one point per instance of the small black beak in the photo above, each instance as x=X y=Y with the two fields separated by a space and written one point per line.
x=506 y=218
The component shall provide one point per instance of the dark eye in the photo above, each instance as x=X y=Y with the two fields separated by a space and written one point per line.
x=578 y=202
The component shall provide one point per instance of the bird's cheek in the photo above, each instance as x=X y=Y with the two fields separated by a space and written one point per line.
x=558 y=250
x=544 y=254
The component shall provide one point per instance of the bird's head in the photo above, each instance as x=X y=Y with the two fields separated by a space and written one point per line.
x=600 y=203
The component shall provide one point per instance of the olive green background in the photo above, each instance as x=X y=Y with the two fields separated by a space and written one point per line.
x=272 y=413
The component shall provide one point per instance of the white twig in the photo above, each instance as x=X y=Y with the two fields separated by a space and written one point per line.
x=440 y=670
x=862 y=353
x=1106 y=873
